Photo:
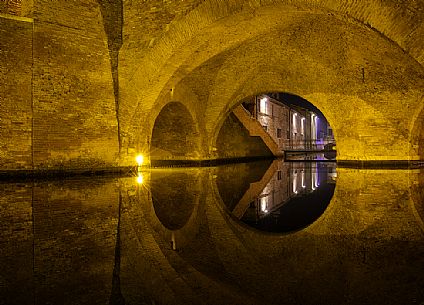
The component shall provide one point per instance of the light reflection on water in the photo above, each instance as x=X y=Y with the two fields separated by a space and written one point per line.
x=170 y=239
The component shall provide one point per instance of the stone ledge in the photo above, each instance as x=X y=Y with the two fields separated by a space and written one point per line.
x=6 y=175
x=381 y=164
x=206 y=162
x=17 y=18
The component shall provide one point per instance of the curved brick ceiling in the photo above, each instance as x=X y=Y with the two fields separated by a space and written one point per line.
x=306 y=50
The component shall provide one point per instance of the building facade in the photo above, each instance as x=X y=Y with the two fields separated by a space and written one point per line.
x=291 y=127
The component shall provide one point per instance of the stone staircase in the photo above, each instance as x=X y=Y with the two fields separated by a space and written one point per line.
x=256 y=130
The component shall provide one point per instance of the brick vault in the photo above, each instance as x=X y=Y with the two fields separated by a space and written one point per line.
x=84 y=83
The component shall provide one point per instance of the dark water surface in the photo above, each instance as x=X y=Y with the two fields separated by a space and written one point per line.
x=253 y=233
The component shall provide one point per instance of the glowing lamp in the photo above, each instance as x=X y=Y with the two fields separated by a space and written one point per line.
x=139 y=159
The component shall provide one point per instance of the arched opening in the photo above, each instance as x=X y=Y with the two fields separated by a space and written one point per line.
x=341 y=75
x=291 y=193
x=276 y=123
x=175 y=135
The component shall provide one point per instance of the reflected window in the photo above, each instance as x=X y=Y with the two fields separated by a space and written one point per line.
x=289 y=204
x=263 y=202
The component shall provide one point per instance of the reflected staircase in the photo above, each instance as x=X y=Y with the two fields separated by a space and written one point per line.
x=256 y=130
x=255 y=189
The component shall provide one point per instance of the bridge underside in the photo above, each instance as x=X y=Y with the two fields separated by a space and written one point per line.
x=128 y=83
x=369 y=89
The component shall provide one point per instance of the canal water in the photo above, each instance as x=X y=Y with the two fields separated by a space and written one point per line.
x=268 y=232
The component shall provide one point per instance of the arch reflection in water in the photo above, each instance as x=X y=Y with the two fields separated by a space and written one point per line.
x=174 y=195
x=288 y=197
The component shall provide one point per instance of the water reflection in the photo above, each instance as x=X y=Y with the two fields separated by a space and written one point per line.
x=282 y=197
x=174 y=196
x=100 y=241
x=295 y=196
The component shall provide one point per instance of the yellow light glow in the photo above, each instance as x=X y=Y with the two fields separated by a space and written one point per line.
x=140 y=178
x=139 y=159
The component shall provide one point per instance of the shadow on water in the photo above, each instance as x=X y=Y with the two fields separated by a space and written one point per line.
x=116 y=297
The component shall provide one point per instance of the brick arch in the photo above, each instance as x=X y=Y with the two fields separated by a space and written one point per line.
x=174 y=134
x=364 y=113
x=215 y=26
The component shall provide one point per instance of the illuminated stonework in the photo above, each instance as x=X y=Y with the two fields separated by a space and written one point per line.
x=82 y=87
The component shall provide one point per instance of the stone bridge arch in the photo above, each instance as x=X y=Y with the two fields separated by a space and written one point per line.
x=175 y=134
x=217 y=27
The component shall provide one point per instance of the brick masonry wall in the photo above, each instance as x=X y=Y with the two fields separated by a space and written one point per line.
x=57 y=105
x=174 y=134
x=74 y=105
x=215 y=27
x=15 y=93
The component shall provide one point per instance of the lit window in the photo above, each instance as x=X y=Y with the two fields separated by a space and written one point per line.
x=263 y=104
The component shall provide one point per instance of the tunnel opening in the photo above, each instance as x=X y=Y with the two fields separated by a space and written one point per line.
x=292 y=192
x=277 y=123
x=175 y=135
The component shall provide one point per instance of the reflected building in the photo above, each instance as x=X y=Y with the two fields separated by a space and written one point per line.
x=290 y=181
